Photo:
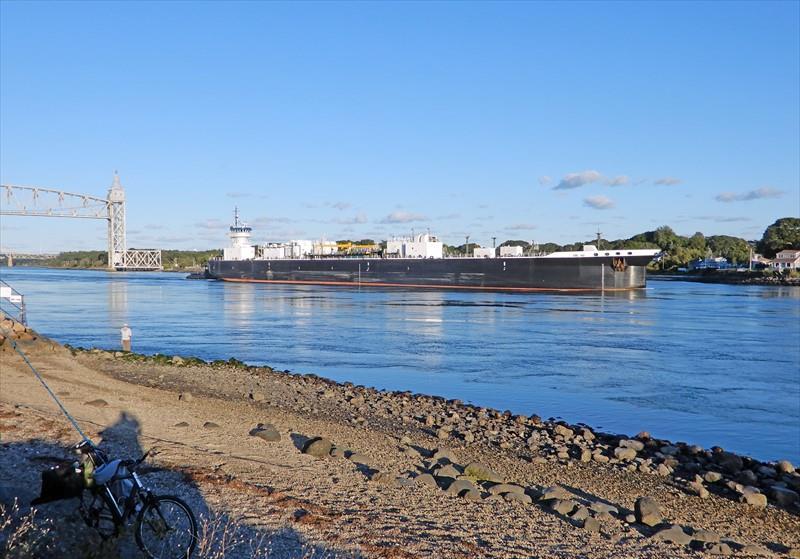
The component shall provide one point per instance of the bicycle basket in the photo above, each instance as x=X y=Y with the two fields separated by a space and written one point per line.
x=60 y=482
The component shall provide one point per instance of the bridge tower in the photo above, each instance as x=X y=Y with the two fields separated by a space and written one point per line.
x=117 y=245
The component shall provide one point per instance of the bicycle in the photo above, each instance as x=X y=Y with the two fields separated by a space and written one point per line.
x=165 y=526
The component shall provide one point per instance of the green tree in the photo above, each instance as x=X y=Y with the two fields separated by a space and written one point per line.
x=783 y=234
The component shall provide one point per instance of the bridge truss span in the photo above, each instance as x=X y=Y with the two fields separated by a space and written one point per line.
x=36 y=201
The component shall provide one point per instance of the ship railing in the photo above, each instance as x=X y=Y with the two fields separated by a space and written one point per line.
x=13 y=299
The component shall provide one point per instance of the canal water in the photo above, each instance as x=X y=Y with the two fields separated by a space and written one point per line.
x=702 y=363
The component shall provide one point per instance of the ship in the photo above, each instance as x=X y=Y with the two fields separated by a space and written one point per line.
x=418 y=262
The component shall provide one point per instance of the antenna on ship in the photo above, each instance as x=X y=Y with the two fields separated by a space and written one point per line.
x=236 y=216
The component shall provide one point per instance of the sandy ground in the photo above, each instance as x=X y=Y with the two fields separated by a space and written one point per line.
x=300 y=506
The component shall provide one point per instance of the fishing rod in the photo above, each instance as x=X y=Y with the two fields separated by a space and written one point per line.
x=49 y=391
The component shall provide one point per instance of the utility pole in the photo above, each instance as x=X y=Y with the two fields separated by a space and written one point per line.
x=466 y=247
x=494 y=242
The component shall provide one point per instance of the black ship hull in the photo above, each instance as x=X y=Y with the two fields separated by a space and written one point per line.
x=501 y=274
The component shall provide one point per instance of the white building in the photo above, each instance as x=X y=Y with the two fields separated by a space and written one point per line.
x=420 y=246
x=484 y=252
x=507 y=251
x=787 y=260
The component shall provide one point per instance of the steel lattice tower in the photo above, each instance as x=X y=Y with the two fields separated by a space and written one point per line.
x=117 y=245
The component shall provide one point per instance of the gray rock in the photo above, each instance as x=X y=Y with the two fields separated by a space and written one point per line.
x=494 y=498
x=630 y=518
x=624 y=453
x=181 y=424
x=712 y=477
x=673 y=534
x=502 y=488
x=603 y=507
x=554 y=492
x=729 y=462
x=638 y=446
x=564 y=507
x=591 y=525
x=448 y=470
x=697 y=488
x=442 y=454
x=472 y=495
x=210 y=425
x=319 y=447
x=580 y=513
x=705 y=536
x=517 y=497
x=266 y=432
x=426 y=480
x=460 y=486
x=785 y=467
x=783 y=496
x=482 y=472
x=670 y=450
x=363 y=459
x=647 y=511
x=719 y=549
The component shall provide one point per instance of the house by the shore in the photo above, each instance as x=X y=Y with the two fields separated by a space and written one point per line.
x=786 y=260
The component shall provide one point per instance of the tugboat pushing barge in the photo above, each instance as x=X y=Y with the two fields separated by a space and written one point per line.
x=418 y=263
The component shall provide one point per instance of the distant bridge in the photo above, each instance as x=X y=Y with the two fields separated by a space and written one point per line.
x=47 y=202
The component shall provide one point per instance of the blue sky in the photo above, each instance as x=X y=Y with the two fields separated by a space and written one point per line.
x=518 y=120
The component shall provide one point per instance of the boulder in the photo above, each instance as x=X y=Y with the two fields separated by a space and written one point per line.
x=425 y=479
x=448 y=470
x=442 y=454
x=563 y=506
x=363 y=459
x=647 y=511
x=719 y=549
x=554 y=492
x=624 y=453
x=460 y=486
x=785 y=467
x=565 y=432
x=697 y=488
x=783 y=496
x=729 y=462
x=210 y=425
x=603 y=507
x=266 y=432
x=318 y=447
x=638 y=446
x=515 y=497
x=673 y=534
x=482 y=472
x=591 y=525
x=502 y=488
x=580 y=513
x=472 y=495
x=705 y=536
x=712 y=477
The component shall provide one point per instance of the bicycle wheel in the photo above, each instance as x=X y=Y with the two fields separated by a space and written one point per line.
x=166 y=528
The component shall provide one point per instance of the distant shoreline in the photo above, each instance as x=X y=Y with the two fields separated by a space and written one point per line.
x=733 y=278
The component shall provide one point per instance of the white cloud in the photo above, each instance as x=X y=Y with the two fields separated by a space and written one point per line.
x=598 y=202
x=341 y=206
x=618 y=180
x=356 y=219
x=210 y=224
x=574 y=180
x=521 y=227
x=403 y=217
x=757 y=194
x=544 y=180
x=669 y=181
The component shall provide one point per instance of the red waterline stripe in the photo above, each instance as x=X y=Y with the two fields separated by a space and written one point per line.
x=424 y=286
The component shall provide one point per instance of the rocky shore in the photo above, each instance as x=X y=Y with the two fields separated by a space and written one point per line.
x=396 y=474
x=732 y=278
